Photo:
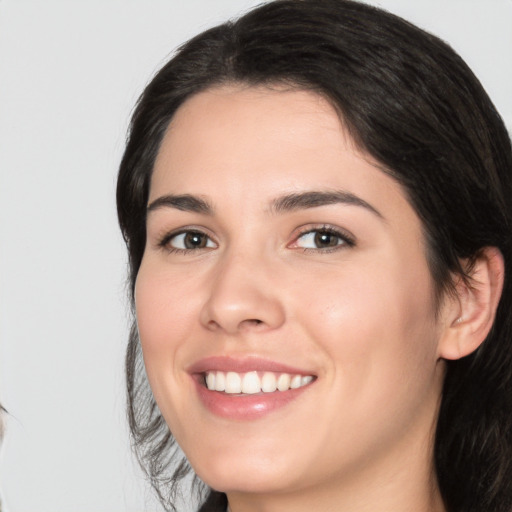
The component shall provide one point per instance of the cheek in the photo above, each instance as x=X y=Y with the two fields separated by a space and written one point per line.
x=164 y=308
x=152 y=307
x=378 y=334
x=375 y=323
x=162 y=321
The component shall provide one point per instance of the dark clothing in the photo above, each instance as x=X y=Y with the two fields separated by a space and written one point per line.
x=216 y=502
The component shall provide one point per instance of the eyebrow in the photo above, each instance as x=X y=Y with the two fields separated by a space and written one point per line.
x=314 y=199
x=185 y=203
x=282 y=204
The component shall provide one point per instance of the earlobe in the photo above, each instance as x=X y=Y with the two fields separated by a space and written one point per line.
x=469 y=315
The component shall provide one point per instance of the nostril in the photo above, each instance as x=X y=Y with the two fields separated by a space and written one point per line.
x=250 y=322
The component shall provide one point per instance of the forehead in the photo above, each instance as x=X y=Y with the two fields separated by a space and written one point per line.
x=241 y=142
x=226 y=123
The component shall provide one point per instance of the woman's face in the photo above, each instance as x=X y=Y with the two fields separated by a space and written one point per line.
x=279 y=255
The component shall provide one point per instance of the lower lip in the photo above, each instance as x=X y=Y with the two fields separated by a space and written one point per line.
x=246 y=407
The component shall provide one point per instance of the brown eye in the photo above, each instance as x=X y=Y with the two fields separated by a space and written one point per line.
x=194 y=240
x=322 y=239
x=326 y=239
x=190 y=240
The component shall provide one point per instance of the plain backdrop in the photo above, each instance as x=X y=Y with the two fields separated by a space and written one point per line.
x=70 y=72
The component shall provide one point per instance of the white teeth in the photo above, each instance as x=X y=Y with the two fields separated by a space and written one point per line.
x=233 y=383
x=210 y=381
x=283 y=382
x=306 y=380
x=296 y=382
x=220 y=382
x=252 y=383
x=268 y=383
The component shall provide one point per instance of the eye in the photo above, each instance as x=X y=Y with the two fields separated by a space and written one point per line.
x=323 y=239
x=187 y=241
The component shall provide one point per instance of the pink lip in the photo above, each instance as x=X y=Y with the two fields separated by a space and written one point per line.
x=243 y=365
x=243 y=407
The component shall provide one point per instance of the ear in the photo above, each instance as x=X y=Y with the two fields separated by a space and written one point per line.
x=469 y=315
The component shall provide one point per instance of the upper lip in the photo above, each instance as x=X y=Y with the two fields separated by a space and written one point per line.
x=243 y=365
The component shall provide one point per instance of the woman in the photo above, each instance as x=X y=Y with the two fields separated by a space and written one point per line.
x=314 y=200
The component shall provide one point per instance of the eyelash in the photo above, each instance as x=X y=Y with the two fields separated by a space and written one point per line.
x=345 y=240
x=164 y=243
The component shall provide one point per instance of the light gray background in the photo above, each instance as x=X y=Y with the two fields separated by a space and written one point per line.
x=70 y=72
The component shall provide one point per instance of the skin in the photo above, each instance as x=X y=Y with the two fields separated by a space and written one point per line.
x=361 y=316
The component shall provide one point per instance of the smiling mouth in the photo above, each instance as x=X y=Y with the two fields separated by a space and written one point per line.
x=254 y=382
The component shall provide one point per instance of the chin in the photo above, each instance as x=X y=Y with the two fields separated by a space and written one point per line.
x=248 y=479
x=239 y=471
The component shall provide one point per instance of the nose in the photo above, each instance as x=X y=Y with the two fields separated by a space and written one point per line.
x=243 y=296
